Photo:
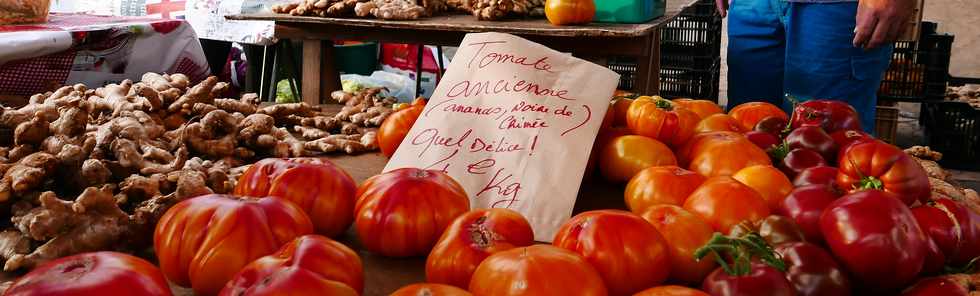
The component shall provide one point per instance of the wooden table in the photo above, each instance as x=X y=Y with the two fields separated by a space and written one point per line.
x=594 y=41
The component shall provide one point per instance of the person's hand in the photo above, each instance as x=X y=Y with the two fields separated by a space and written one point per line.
x=722 y=6
x=880 y=21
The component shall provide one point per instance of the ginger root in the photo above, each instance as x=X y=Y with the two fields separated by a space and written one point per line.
x=27 y=174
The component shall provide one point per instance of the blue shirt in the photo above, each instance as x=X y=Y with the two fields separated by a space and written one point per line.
x=821 y=1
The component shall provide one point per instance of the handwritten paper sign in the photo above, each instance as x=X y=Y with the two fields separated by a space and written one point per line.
x=513 y=122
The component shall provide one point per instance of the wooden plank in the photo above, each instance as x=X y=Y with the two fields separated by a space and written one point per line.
x=320 y=75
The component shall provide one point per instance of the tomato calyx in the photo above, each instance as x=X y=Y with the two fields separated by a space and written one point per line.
x=742 y=250
x=869 y=182
x=968 y=268
x=779 y=152
x=664 y=104
x=480 y=234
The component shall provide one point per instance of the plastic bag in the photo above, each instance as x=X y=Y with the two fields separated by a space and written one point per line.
x=399 y=86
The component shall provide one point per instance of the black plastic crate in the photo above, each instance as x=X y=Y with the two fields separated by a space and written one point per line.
x=626 y=71
x=919 y=70
x=695 y=32
x=953 y=128
x=690 y=83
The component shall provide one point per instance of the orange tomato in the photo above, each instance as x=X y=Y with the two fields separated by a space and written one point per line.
x=92 y=274
x=660 y=185
x=724 y=202
x=427 y=289
x=721 y=154
x=403 y=212
x=684 y=232
x=472 y=237
x=718 y=123
x=308 y=263
x=569 y=12
x=749 y=114
x=768 y=181
x=621 y=107
x=539 y=270
x=661 y=119
x=605 y=136
x=323 y=190
x=671 y=291
x=626 y=156
x=202 y=242
x=628 y=252
x=703 y=108
x=394 y=129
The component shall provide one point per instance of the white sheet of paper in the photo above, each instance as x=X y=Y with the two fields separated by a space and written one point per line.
x=513 y=122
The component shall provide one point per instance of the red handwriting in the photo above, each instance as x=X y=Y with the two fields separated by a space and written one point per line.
x=563 y=111
x=501 y=145
x=525 y=107
x=468 y=88
x=588 y=117
x=502 y=186
x=492 y=57
x=444 y=160
x=430 y=137
x=534 y=144
x=480 y=167
x=512 y=122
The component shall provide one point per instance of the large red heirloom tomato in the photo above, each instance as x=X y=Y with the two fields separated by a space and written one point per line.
x=323 y=190
x=628 y=252
x=724 y=202
x=661 y=119
x=308 y=263
x=671 y=290
x=953 y=228
x=660 y=185
x=394 y=129
x=685 y=233
x=720 y=154
x=93 y=274
x=204 y=241
x=403 y=212
x=538 y=270
x=430 y=290
x=828 y=114
x=749 y=114
x=950 y=285
x=875 y=236
x=472 y=237
x=718 y=123
x=879 y=165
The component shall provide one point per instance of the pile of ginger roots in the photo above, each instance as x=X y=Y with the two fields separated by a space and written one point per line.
x=94 y=169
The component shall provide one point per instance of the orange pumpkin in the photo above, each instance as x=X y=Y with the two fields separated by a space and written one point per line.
x=394 y=129
x=718 y=123
x=662 y=120
x=323 y=190
x=626 y=156
x=724 y=202
x=703 y=108
x=660 y=185
x=308 y=263
x=428 y=289
x=721 y=154
x=204 y=241
x=768 y=181
x=684 y=232
x=569 y=12
x=749 y=114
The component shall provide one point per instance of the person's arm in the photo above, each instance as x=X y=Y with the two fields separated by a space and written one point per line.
x=880 y=21
x=722 y=6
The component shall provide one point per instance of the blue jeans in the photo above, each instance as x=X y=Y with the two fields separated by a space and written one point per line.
x=804 y=51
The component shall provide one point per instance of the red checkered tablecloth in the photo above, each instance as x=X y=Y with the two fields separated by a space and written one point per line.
x=102 y=49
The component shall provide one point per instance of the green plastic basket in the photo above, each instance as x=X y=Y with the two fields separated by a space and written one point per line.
x=628 y=11
x=359 y=58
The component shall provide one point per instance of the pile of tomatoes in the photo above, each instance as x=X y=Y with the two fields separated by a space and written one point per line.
x=752 y=202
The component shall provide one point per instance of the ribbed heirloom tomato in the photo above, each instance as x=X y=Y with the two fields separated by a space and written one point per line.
x=703 y=108
x=427 y=289
x=749 y=114
x=879 y=165
x=828 y=114
x=569 y=12
x=718 y=123
x=403 y=212
x=671 y=291
x=685 y=233
x=768 y=181
x=308 y=263
x=629 y=259
x=323 y=190
x=661 y=119
x=204 y=241
x=626 y=156
x=724 y=202
x=93 y=274
x=472 y=237
x=394 y=129
x=720 y=154
x=538 y=270
x=660 y=185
